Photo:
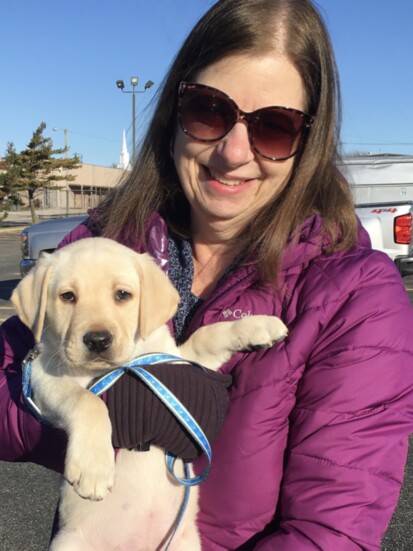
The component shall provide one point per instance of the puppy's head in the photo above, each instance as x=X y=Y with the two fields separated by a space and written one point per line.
x=92 y=301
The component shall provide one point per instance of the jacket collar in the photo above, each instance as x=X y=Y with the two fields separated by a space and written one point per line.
x=311 y=241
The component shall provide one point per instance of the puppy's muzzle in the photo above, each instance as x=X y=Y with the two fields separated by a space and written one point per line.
x=97 y=341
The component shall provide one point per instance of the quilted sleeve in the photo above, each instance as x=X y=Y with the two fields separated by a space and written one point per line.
x=22 y=437
x=81 y=231
x=353 y=415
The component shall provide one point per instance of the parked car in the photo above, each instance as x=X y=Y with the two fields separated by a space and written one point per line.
x=44 y=237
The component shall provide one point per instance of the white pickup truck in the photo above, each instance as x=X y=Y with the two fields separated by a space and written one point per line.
x=383 y=192
x=390 y=228
x=382 y=186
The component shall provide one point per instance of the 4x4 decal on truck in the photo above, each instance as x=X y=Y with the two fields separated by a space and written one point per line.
x=379 y=211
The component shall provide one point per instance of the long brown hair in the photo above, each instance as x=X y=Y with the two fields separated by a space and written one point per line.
x=295 y=28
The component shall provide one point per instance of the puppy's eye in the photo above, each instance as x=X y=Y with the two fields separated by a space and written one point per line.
x=122 y=295
x=68 y=297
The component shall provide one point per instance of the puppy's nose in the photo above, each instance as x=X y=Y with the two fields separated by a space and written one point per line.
x=97 y=341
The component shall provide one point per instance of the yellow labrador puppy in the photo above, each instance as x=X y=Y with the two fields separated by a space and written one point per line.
x=95 y=305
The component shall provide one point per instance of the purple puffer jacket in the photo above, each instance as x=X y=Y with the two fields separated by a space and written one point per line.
x=313 y=450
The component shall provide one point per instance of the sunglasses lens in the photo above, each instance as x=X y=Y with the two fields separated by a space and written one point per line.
x=276 y=132
x=205 y=115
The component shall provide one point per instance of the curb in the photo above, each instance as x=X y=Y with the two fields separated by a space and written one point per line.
x=13 y=229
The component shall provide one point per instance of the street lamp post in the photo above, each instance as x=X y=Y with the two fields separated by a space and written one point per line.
x=66 y=188
x=134 y=82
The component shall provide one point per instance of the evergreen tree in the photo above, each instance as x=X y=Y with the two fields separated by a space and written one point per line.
x=35 y=168
x=8 y=181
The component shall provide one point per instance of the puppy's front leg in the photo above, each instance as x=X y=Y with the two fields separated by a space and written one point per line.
x=214 y=344
x=90 y=460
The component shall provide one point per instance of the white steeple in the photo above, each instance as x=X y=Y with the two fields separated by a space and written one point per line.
x=124 y=161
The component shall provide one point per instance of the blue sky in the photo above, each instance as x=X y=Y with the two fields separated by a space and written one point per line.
x=60 y=61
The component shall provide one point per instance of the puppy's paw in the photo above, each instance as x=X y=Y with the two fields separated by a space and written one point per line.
x=258 y=332
x=91 y=470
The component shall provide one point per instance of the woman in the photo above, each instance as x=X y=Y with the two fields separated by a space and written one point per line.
x=241 y=204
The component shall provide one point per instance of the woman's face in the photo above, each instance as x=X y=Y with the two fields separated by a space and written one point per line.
x=226 y=182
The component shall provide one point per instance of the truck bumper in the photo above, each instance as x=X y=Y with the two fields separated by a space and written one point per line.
x=26 y=265
x=405 y=265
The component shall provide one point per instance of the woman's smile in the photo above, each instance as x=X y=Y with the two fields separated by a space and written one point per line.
x=226 y=180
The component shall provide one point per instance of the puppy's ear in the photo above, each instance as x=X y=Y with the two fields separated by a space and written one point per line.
x=29 y=298
x=159 y=299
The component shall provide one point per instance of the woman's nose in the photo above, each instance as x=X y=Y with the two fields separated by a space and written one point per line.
x=235 y=147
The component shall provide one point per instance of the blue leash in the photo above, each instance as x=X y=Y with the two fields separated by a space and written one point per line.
x=103 y=383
